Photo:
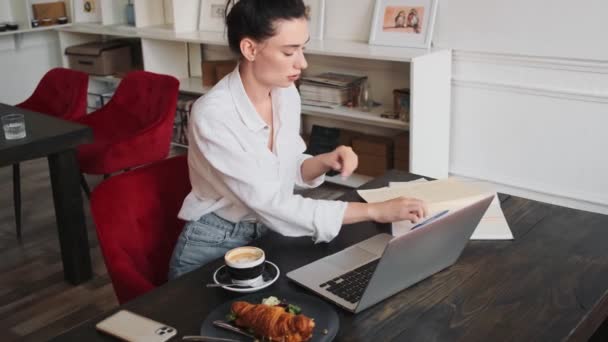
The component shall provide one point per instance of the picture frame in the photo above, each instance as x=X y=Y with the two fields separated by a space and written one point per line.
x=315 y=11
x=211 y=16
x=87 y=11
x=401 y=104
x=403 y=23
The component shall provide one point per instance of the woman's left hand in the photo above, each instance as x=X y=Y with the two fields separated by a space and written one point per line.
x=342 y=159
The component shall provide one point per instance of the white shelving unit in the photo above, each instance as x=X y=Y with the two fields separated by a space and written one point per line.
x=178 y=49
x=20 y=12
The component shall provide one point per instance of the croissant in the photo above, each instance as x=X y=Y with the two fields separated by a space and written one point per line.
x=273 y=322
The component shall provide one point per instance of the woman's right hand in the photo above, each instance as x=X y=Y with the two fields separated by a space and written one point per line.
x=398 y=209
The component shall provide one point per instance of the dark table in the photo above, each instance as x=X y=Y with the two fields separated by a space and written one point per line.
x=57 y=139
x=549 y=284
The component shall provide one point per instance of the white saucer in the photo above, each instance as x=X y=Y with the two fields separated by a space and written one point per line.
x=270 y=275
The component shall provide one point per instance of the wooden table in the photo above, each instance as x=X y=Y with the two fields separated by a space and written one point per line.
x=57 y=139
x=549 y=284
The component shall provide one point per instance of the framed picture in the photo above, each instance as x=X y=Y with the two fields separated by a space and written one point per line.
x=87 y=11
x=315 y=11
x=401 y=104
x=212 y=16
x=406 y=23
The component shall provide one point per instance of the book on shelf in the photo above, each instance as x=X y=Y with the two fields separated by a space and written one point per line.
x=321 y=104
x=333 y=88
x=325 y=96
x=333 y=79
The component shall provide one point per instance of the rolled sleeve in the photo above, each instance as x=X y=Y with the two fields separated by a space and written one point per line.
x=330 y=218
x=300 y=180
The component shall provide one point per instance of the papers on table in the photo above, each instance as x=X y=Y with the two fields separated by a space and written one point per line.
x=447 y=194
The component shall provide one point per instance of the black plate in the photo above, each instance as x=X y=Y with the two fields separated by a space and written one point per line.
x=323 y=313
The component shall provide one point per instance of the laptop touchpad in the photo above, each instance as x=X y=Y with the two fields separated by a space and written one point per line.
x=351 y=257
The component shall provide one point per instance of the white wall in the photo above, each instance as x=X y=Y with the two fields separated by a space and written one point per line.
x=24 y=59
x=557 y=28
x=530 y=95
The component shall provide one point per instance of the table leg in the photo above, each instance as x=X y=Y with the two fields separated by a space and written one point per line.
x=71 y=225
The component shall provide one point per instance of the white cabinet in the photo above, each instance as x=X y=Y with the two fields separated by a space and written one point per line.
x=430 y=114
x=427 y=73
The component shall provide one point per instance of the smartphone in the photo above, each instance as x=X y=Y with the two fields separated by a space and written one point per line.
x=131 y=327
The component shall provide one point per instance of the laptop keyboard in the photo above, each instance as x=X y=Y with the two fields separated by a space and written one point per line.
x=350 y=285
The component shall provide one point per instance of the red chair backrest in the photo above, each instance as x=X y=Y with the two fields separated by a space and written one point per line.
x=134 y=128
x=145 y=97
x=135 y=214
x=61 y=93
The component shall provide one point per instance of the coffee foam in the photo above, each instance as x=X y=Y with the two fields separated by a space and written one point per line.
x=243 y=256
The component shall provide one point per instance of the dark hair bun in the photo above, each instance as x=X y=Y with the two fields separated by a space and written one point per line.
x=255 y=18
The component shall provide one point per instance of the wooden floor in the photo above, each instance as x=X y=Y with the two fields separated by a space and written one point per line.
x=35 y=302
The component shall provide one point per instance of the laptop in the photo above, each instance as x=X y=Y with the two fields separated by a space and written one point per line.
x=377 y=268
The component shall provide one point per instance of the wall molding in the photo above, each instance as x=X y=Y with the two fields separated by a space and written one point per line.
x=537 y=62
x=521 y=88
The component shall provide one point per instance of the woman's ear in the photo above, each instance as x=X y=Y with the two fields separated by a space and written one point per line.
x=249 y=49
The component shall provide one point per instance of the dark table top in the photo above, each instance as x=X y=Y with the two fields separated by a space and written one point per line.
x=45 y=135
x=549 y=284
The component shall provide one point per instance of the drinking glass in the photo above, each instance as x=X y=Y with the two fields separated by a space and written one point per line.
x=14 y=126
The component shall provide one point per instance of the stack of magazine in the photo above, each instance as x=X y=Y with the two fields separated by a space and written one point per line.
x=331 y=89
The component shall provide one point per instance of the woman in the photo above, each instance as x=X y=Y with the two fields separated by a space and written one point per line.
x=246 y=154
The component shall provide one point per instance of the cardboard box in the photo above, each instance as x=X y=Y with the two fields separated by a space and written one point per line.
x=373 y=166
x=346 y=137
x=375 y=155
x=214 y=71
x=401 y=151
x=402 y=164
x=402 y=146
x=100 y=58
x=373 y=145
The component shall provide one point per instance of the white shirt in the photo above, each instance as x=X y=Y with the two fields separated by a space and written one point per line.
x=235 y=175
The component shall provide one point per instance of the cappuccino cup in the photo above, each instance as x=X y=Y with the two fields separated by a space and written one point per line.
x=245 y=265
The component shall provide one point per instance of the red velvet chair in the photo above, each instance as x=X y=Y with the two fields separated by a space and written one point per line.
x=134 y=128
x=60 y=93
x=135 y=215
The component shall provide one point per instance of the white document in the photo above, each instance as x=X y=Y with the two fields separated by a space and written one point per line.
x=446 y=194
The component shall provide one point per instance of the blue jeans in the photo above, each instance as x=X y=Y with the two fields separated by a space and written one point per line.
x=208 y=239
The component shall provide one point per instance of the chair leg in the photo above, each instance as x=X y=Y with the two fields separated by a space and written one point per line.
x=17 y=197
x=85 y=185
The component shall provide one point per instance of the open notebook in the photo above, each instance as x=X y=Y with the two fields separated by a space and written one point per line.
x=447 y=194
